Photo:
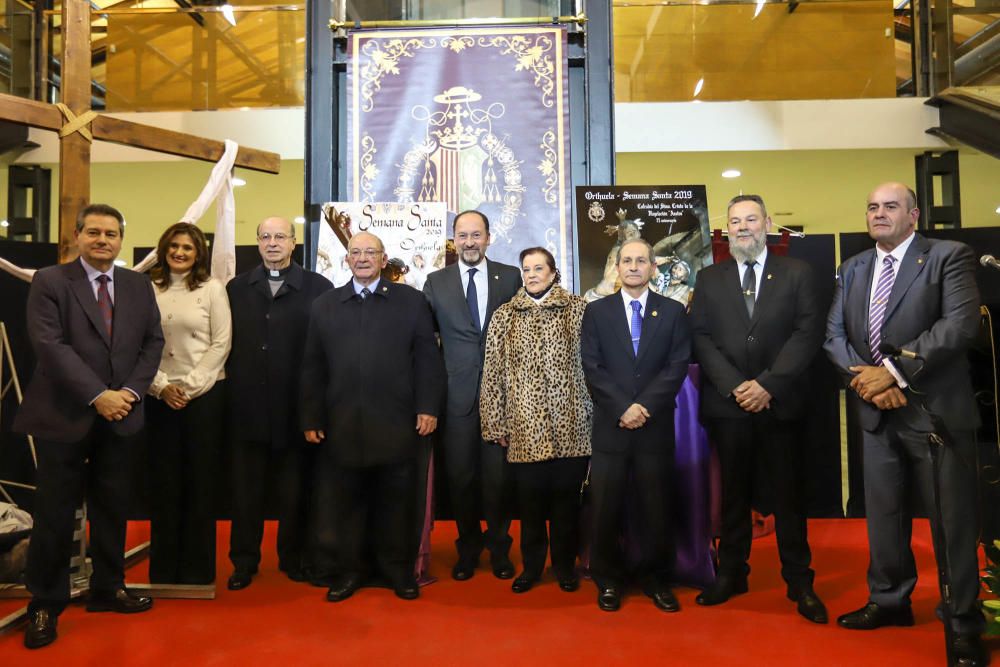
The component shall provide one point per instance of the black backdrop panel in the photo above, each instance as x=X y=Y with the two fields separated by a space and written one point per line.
x=15 y=457
x=983 y=240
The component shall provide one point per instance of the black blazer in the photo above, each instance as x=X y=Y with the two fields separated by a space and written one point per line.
x=370 y=367
x=77 y=360
x=464 y=347
x=774 y=347
x=617 y=377
x=269 y=335
x=933 y=310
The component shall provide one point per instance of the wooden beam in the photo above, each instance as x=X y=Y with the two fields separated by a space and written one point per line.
x=105 y=128
x=74 y=150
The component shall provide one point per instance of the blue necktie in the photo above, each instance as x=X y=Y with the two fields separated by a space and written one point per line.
x=636 y=325
x=473 y=298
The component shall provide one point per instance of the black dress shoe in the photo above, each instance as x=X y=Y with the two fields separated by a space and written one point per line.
x=569 y=583
x=810 y=606
x=724 y=588
x=296 y=574
x=968 y=651
x=609 y=598
x=464 y=569
x=664 y=599
x=41 y=630
x=872 y=616
x=523 y=583
x=502 y=567
x=120 y=601
x=239 y=580
x=343 y=588
x=407 y=590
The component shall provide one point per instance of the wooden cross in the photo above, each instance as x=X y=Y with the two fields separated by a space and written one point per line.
x=77 y=124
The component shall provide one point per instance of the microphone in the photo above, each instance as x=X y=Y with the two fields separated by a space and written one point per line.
x=990 y=260
x=890 y=350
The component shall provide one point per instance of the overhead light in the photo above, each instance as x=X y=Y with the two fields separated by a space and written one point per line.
x=227 y=13
x=4 y=223
x=732 y=173
x=300 y=220
x=238 y=182
x=997 y=211
x=120 y=262
x=756 y=11
x=698 y=86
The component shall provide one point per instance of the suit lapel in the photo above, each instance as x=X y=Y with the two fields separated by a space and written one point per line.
x=771 y=277
x=733 y=290
x=85 y=295
x=622 y=323
x=492 y=293
x=454 y=293
x=913 y=263
x=650 y=323
x=859 y=286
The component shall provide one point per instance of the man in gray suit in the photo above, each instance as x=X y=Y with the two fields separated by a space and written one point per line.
x=95 y=329
x=463 y=297
x=918 y=294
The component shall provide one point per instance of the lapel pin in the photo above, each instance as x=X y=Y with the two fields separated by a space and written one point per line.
x=769 y=276
x=653 y=313
x=496 y=277
x=384 y=288
x=920 y=260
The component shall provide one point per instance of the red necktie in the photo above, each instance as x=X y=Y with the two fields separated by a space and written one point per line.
x=104 y=302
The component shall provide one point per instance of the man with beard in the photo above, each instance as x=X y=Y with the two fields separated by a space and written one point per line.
x=756 y=329
x=463 y=297
x=921 y=295
x=372 y=383
x=270 y=306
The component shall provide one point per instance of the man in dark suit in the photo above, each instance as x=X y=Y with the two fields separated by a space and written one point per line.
x=918 y=294
x=463 y=297
x=270 y=306
x=95 y=329
x=756 y=328
x=635 y=346
x=372 y=382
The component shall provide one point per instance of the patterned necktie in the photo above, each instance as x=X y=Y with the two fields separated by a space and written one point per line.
x=750 y=286
x=636 y=325
x=365 y=293
x=104 y=302
x=473 y=298
x=876 y=310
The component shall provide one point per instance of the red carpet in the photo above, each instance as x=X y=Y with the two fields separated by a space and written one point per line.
x=480 y=622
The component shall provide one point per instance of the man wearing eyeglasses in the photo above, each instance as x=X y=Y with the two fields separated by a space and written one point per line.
x=270 y=306
x=463 y=297
x=372 y=384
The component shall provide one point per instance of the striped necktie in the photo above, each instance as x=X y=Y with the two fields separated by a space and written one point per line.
x=636 y=325
x=876 y=310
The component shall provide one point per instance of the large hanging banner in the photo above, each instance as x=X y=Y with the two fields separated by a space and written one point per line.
x=473 y=117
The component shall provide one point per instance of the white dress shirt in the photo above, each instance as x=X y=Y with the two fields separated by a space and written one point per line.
x=482 y=285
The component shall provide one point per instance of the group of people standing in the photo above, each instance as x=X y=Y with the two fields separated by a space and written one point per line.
x=534 y=390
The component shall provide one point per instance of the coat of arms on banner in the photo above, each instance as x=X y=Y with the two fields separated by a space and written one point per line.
x=476 y=118
x=413 y=234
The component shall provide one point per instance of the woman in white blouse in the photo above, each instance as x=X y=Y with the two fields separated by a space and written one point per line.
x=185 y=415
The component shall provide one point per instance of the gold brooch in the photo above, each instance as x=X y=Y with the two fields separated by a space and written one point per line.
x=769 y=276
x=920 y=260
x=385 y=289
x=653 y=313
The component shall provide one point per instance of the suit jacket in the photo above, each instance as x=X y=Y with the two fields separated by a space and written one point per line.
x=618 y=377
x=774 y=347
x=933 y=310
x=370 y=367
x=269 y=335
x=76 y=358
x=464 y=346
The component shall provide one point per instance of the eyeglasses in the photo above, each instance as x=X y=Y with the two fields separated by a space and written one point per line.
x=367 y=252
x=279 y=237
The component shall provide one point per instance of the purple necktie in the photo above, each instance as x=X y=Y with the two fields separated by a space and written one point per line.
x=104 y=302
x=876 y=310
x=636 y=325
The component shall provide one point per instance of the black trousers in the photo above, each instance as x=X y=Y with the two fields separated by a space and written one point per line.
x=259 y=473
x=898 y=465
x=184 y=447
x=549 y=490
x=479 y=487
x=742 y=444
x=96 y=468
x=649 y=475
x=365 y=518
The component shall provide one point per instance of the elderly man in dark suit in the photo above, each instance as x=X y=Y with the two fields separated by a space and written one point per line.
x=372 y=383
x=756 y=328
x=95 y=329
x=463 y=297
x=270 y=306
x=918 y=294
x=635 y=346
